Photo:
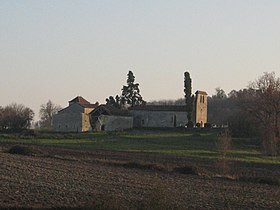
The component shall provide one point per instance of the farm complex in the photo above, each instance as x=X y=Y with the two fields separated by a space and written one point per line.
x=81 y=116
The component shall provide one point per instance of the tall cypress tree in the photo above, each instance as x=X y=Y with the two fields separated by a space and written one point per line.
x=189 y=98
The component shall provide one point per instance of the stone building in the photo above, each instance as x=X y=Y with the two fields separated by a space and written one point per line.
x=159 y=116
x=109 y=118
x=75 y=117
x=200 y=107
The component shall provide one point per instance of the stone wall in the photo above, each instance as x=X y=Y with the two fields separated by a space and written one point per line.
x=113 y=123
x=158 y=119
x=71 y=119
x=67 y=122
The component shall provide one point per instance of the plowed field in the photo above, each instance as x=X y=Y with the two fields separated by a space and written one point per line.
x=72 y=178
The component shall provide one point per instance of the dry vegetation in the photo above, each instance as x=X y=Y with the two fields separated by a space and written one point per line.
x=57 y=177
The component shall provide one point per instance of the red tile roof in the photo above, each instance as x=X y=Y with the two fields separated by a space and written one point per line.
x=90 y=105
x=109 y=110
x=80 y=100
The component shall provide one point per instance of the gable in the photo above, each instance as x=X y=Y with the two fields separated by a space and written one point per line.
x=78 y=99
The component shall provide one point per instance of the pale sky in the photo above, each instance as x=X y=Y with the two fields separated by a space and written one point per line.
x=58 y=49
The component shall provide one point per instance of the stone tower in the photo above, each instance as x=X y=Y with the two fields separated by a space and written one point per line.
x=200 y=107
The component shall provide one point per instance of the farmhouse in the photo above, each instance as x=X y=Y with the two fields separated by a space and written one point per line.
x=75 y=117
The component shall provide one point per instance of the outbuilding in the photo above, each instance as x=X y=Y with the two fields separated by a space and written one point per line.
x=159 y=116
x=110 y=118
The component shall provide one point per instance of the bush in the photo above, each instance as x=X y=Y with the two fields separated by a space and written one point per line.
x=223 y=146
x=21 y=150
x=207 y=125
x=241 y=125
x=192 y=170
x=190 y=124
x=15 y=117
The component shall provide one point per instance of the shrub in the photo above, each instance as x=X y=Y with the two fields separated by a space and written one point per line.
x=207 y=125
x=223 y=146
x=21 y=150
x=190 y=124
x=192 y=170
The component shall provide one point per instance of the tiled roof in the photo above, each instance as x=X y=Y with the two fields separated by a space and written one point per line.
x=80 y=100
x=201 y=92
x=160 y=108
x=109 y=110
x=90 y=105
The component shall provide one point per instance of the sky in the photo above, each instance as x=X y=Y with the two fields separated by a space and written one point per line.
x=59 y=49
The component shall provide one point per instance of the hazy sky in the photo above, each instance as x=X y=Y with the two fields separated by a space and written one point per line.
x=60 y=49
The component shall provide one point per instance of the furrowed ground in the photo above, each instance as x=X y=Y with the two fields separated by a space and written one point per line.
x=143 y=169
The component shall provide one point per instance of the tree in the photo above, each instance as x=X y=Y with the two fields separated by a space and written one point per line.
x=116 y=102
x=189 y=98
x=262 y=101
x=170 y=102
x=15 y=117
x=131 y=93
x=220 y=107
x=46 y=114
x=1 y=118
x=220 y=93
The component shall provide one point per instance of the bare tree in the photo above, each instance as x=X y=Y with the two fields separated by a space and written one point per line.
x=46 y=114
x=262 y=102
x=15 y=117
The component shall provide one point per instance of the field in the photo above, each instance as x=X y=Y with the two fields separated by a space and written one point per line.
x=139 y=169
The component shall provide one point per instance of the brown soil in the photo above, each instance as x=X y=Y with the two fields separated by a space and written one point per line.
x=70 y=178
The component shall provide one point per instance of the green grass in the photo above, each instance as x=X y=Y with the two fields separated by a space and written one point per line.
x=180 y=143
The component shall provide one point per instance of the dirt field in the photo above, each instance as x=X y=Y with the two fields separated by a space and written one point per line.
x=70 y=178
